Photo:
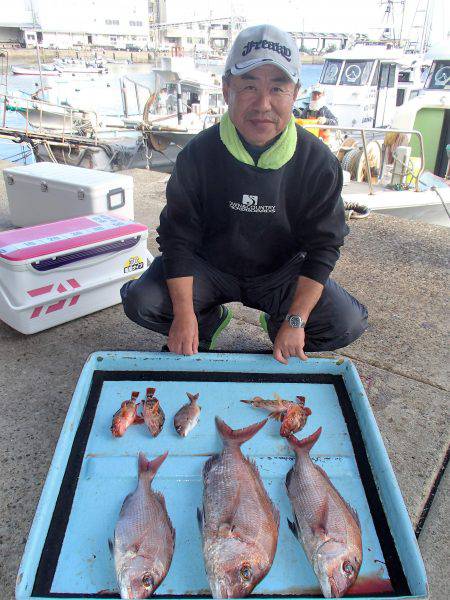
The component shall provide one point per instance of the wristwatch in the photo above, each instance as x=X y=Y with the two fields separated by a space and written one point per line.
x=295 y=321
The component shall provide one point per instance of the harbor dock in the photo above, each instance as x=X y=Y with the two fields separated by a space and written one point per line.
x=398 y=268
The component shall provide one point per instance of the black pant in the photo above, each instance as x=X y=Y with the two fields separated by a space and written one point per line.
x=337 y=319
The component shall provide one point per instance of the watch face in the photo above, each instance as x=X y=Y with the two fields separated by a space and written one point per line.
x=295 y=321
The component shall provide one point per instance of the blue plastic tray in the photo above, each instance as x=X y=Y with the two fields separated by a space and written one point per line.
x=67 y=554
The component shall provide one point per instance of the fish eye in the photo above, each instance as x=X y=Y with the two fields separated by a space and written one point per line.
x=147 y=581
x=246 y=572
x=348 y=569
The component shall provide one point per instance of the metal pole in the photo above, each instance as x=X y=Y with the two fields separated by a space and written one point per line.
x=40 y=67
x=179 y=105
x=138 y=100
x=369 y=174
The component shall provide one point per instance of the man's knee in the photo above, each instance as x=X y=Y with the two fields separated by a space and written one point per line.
x=132 y=300
x=337 y=328
x=352 y=325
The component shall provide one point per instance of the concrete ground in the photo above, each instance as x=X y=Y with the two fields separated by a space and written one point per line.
x=396 y=267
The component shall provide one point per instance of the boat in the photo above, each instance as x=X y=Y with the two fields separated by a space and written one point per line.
x=438 y=79
x=32 y=71
x=365 y=84
x=185 y=102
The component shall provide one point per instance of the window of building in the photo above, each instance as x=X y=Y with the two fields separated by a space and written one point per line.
x=111 y=21
x=189 y=40
x=136 y=23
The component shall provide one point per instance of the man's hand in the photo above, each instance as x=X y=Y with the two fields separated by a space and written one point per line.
x=322 y=120
x=290 y=341
x=183 y=334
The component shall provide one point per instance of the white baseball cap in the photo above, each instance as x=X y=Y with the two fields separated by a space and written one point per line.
x=264 y=44
x=318 y=87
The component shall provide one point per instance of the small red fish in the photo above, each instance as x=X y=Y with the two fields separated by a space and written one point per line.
x=187 y=417
x=126 y=416
x=293 y=415
x=152 y=412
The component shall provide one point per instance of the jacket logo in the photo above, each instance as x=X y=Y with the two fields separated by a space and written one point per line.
x=249 y=200
x=275 y=46
x=249 y=204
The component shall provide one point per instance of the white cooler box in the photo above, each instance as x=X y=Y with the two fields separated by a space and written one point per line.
x=53 y=273
x=45 y=192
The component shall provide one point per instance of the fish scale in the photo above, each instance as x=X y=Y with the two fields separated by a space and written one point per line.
x=239 y=522
x=144 y=538
x=326 y=526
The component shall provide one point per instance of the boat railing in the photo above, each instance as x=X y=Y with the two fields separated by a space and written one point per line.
x=364 y=132
x=138 y=87
x=75 y=121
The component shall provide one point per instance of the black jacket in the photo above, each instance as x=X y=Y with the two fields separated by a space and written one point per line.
x=249 y=221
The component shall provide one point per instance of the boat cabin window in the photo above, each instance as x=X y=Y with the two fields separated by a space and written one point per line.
x=387 y=76
x=356 y=72
x=400 y=96
x=439 y=76
x=376 y=75
x=330 y=71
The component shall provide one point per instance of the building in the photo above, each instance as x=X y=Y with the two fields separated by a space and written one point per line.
x=122 y=24
x=196 y=33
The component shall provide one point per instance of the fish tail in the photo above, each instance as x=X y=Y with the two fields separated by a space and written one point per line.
x=192 y=397
x=305 y=444
x=149 y=468
x=247 y=401
x=237 y=436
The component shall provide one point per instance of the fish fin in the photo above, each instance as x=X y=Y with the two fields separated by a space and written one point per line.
x=293 y=527
x=150 y=466
x=124 y=503
x=237 y=436
x=320 y=524
x=305 y=444
x=208 y=464
x=111 y=546
x=162 y=501
x=192 y=397
x=288 y=478
x=300 y=400
x=226 y=526
x=275 y=511
x=277 y=416
x=308 y=411
x=353 y=513
x=138 y=418
x=200 y=519
x=277 y=397
x=350 y=508
x=134 y=395
x=247 y=401
x=150 y=392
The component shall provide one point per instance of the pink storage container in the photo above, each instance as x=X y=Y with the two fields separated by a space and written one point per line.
x=53 y=273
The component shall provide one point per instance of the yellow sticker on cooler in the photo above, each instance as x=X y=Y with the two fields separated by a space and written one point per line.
x=134 y=263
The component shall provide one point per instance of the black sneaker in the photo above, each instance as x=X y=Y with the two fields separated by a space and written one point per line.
x=263 y=321
x=204 y=345
x=353 y=210
x=225 y=317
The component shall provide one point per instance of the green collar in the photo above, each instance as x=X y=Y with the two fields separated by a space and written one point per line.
x=273 y=158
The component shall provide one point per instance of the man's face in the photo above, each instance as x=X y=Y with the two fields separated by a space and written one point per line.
x=260 y=103
x=316 y=95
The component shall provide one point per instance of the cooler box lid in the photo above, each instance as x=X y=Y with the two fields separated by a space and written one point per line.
x=62 y=236
x=68 y=174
